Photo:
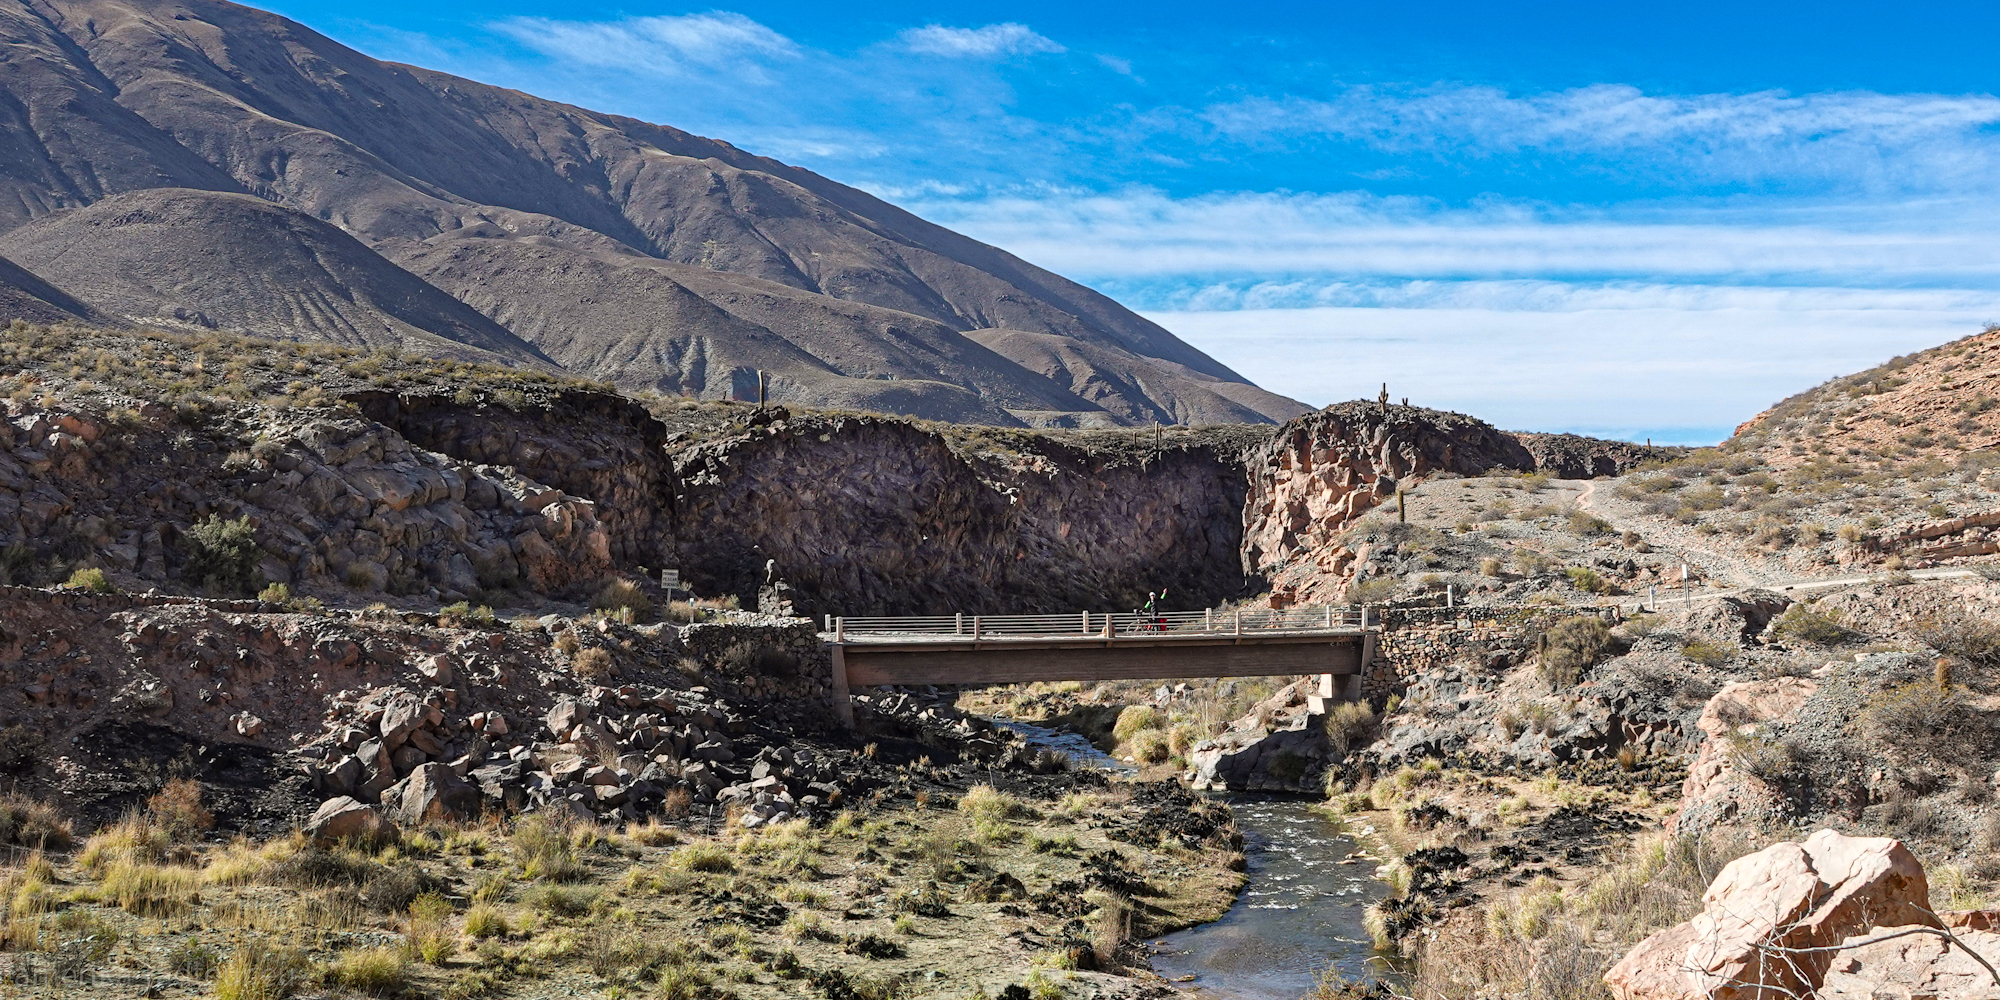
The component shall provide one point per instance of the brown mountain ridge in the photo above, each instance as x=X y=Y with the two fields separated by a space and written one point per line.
x=626 y=251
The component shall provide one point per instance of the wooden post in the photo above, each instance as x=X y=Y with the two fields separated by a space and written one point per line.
x=840 y=630
x=1329 y=616
x=1447 y=595
x=829 y=623
x=1208 y=619
x=1086 y=623
x=1401 y=517
x=1238 y=629
x=975 y=628
x=958 y=624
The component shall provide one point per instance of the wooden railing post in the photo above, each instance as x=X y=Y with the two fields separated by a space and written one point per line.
x=975 y=628
x=1329 y=616
x=1086 y=623
x=1238 y=629
x=840 y=630
x=958 y=624
x=1208 y=619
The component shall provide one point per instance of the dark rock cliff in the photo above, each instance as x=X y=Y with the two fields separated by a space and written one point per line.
x=863 y=515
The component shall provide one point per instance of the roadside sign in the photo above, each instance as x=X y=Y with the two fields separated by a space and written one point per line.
x=670 y=578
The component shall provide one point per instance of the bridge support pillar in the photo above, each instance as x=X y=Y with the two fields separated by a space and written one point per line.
x=843 y=705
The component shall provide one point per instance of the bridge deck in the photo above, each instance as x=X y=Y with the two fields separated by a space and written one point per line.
x=1016 y=649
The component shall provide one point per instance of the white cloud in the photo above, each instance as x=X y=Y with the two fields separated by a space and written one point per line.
x=1622 y=363
x=1845 y=139
x=1606 y=116
x=1122 y=67
x=662 y=45
x=990 y=41
x=1146 y=234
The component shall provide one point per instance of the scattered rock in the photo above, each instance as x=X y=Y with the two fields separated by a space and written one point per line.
x=343 y=818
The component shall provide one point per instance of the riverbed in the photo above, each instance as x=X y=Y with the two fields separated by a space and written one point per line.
x=1299 y=913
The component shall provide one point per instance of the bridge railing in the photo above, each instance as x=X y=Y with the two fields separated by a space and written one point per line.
x=1165 y=624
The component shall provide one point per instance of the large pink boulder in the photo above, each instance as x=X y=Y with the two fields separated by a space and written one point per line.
x=1713 y=791
x=1909 y=963
x=1763 y=908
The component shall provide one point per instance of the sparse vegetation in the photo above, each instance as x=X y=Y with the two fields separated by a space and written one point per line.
x=1571 y=648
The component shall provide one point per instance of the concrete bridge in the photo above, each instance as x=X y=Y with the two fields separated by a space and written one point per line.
x=1086 y=646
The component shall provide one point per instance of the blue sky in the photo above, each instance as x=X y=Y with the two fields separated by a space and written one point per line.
x=1557 y=216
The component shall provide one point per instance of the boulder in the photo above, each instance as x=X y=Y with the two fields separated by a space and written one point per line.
x=564 y=717
x=1763 y=907
x=400 y=717
x=248 y=726
x=432 y=793
x=426 y=741
x=344 y=818
x=1712 y=791
x=436 y=668
x=1909 y=962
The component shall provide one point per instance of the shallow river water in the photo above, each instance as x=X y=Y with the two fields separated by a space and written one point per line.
x=1299 y=913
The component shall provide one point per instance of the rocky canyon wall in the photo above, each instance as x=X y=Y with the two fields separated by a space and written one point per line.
x=1321 y=472
x=336 y=501
x=420 y=494
x=864 y=515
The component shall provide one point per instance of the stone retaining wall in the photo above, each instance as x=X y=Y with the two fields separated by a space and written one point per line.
x=779 y=659
x=1414 y=640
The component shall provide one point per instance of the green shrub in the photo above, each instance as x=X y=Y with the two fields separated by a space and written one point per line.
x=258 y=971
x=1924 y=718
x=1372 y=591
x=193 y=959
x=1584 y=522
x=1149 y=746
x=1349 y=726
x=485 y=920
x=1587 y=580
x=221 y=555
x=622 y=595
x=560 y=900
x=711 y=859
x=1961 y=635
x=1708 y=654
x=988 y=804
x=92 y=579
x=1801 y=623
x=25 y=822
x=1133 y=719
x=429 y=929
x=1570 y=648
x=381 y=972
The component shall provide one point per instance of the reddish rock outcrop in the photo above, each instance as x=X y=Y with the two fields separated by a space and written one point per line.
x=1321 y=472
x=1765 y=913
x=1714 y=791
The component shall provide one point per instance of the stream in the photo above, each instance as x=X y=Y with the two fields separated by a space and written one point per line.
x=1299 y=913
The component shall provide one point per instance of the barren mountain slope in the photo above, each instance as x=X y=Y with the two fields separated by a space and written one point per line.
x=251 y=267
x=650 y=324
x=1937 y=404
x=214 y=95
x=26 y=296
